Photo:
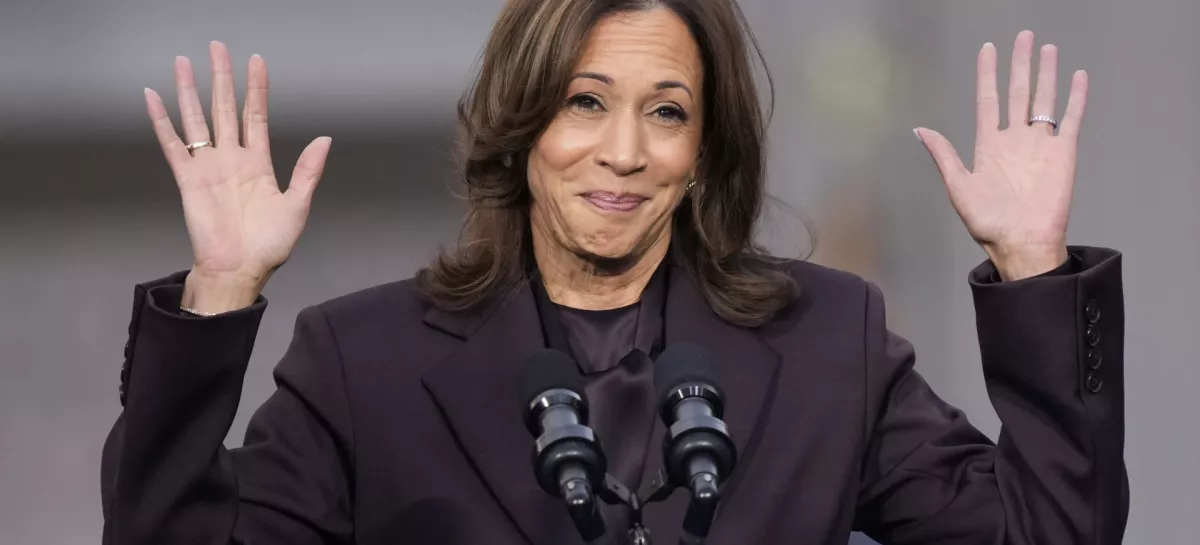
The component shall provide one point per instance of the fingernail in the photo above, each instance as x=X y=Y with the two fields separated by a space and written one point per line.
x=988 y=44
x=256 y=56
x=917 y=132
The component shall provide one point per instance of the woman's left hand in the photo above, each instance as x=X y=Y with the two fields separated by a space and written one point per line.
x=1017 y=200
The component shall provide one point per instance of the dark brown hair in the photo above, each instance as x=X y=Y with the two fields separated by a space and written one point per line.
x=526 y=67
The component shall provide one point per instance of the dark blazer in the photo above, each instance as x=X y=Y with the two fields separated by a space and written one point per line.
x=396 y=423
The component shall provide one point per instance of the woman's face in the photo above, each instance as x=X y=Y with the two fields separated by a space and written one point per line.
x=613 y=165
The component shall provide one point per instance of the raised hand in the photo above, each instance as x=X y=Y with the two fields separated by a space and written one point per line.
x=1016 y=201
x=241 y=226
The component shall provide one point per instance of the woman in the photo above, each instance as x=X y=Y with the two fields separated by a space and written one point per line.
x=613 y=165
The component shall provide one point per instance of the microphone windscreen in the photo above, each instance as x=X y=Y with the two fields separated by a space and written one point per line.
x=681 y=363
x=547 y=370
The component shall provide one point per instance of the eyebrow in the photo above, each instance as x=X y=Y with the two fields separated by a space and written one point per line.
x=660 y=86
x=671 y=84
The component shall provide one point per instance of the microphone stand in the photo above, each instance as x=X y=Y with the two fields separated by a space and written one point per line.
x=701 y=509
x=696 y=523
x=615 y=493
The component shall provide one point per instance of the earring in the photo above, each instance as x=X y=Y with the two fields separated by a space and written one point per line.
x=691 y=183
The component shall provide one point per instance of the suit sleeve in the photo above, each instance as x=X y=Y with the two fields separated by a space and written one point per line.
x=166 y=476
x=1052 y=348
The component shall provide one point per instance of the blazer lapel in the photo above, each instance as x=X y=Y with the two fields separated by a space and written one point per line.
x=476 y=389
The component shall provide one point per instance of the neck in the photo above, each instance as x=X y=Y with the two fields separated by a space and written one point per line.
x=575 y=282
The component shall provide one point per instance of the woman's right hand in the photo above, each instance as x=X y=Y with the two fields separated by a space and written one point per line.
x=241 y=226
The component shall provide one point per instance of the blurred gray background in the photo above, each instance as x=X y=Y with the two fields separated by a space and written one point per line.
x=88 y=207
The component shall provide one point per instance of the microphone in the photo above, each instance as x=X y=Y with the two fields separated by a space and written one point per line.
x=567 y=460
x=697 y=451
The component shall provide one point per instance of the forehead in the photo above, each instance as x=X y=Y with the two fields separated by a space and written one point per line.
x=649 y=44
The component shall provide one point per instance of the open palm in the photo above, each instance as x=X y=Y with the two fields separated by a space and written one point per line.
x=240 y=223
x=1016 y=201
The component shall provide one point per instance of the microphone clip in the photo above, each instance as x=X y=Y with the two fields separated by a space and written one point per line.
x=616 y=493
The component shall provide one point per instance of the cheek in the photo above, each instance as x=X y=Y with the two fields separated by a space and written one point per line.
x=549 y=172
x=557 y=155
x=671 y=199
x=676 y=159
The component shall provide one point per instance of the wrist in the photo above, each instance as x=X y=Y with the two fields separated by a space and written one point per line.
x=215 y=293
x=1013 y=265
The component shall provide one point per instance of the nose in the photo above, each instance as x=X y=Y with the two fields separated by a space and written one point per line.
x=622 y=147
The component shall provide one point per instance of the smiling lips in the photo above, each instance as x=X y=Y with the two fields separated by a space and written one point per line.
x=614 y=202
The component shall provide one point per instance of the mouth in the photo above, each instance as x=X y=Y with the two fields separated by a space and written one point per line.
x=614 y=202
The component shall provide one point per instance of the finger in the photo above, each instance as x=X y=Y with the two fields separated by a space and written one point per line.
x=224 y=101
x=949 y=164
x=195 y=127
x=172 y=146
x=987 y=97
x=1076 y=106
x=1018 y=87
x=255 y=117
x=1046 y=99
x=309 y=168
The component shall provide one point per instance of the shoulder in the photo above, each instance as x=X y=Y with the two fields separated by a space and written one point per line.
x=828 y=299
x=821 y=285
x=378 y=327
x=394 y=307
x=826 y=281
x=825 y=294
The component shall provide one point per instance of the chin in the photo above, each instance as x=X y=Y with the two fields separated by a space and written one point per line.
x=608 y=251
x=610 y=245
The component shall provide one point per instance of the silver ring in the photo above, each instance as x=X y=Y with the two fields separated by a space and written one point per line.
x=1044 y=119
x=197 y=145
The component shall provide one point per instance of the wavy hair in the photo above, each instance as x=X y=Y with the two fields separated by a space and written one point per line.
x=525 y=69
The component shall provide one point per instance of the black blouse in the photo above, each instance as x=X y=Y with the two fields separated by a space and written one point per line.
x=615 y=350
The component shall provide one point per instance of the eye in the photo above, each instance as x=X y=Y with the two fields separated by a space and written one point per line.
x=585 y=102
x=671 y=113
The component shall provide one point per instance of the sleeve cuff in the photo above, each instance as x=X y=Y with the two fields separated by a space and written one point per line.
x=1027 y=326
x=986 y=272
x=157 y=302
x=165 y=299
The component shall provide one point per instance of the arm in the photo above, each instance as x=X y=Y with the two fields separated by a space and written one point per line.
x=166 y=476
x=1057 y=473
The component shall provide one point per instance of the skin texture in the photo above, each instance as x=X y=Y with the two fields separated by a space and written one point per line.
x=630 y=125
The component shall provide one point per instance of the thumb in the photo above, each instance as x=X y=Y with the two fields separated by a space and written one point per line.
x=942 y=151
x=310 y=167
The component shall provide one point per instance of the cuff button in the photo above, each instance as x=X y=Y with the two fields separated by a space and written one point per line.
x=1094 y=383
x=1094 y=358
x=1092 y=311
x=1092 y=334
